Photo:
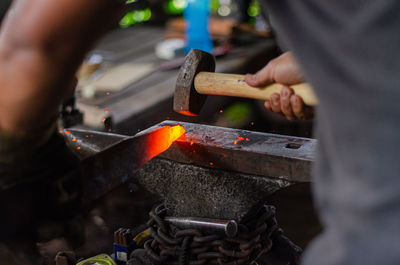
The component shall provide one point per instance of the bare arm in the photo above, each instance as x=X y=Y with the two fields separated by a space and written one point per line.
x=42 y=43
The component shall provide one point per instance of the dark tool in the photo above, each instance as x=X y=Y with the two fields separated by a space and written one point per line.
x=197 y=79
x=204 y=225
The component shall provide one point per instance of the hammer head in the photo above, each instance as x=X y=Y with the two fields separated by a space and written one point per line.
x=186 y=99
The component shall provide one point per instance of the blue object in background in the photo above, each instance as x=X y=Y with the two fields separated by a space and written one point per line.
x=197 y=14
x=122 y=253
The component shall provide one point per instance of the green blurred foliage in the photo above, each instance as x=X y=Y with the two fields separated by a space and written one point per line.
x=238 y=112
x=136 y=16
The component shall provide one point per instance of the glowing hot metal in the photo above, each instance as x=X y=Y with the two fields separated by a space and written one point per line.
x=120 y=156
x=161 y=139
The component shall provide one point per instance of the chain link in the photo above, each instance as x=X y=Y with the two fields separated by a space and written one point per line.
x=172 y=246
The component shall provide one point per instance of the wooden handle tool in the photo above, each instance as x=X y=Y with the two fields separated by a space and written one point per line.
x=234 y=85
x=197 y=79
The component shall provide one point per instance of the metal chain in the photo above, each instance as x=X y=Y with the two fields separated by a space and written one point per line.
x=169 y=245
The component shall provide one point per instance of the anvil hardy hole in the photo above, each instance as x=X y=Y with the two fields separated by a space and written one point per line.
x=293 y=146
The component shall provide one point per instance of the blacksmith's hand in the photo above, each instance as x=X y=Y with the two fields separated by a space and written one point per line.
x=283 y=70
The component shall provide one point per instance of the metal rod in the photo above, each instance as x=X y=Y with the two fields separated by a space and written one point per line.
x=213 y=226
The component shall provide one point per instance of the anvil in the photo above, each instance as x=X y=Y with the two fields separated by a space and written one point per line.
x=209 y=172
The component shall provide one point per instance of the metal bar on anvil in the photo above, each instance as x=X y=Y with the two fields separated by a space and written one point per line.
x=248 y=152
x=109 y=160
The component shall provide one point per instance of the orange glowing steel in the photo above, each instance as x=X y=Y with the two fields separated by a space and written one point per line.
x=106 y=111
x=235 y=142
x=161 y=139
x=187 y=113
x=191 y=142
x=240 y=138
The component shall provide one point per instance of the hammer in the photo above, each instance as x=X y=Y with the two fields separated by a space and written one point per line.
x=196 y=79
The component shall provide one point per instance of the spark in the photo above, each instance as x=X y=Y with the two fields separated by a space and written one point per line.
x=73 y=140
x=247 y=139
x=240 y=138
x=211 y=163
x=79 y=148
x=235 y=142
x=106 y=111
x=221 y=111
x=67 y=132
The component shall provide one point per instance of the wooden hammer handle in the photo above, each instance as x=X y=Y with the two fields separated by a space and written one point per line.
x=235 y=86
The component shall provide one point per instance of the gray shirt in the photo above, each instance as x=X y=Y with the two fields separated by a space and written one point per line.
x=350 y=53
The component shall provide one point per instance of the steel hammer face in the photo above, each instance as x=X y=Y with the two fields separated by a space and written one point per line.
x=187 y=100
